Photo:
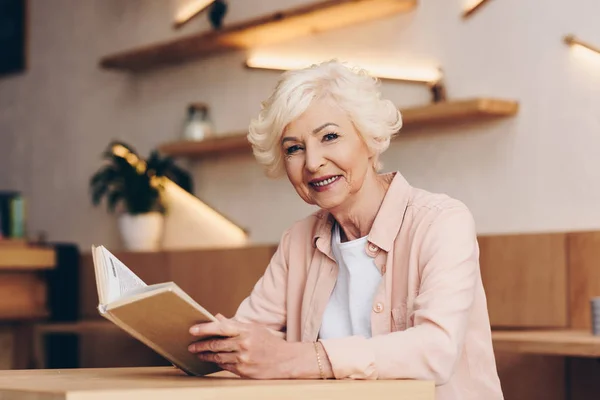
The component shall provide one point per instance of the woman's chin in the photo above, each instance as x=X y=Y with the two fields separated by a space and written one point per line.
x=329 y=202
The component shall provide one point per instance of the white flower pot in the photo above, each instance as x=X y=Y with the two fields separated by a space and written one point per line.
x=142 y=232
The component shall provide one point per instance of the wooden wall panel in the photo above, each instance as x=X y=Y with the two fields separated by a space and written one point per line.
x=151 y=267
x=220 y=280
x=531 y=377
x=112 y=349
x=525 y=279
x=584 y=276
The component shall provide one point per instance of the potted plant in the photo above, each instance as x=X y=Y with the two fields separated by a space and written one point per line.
x=132 y=188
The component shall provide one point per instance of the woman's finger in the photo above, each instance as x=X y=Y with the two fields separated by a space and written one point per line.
x=214 y=346
x=219 y=358
x=224 y=328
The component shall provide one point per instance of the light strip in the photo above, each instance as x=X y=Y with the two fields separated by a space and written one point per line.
x=572 y=41
x=472 y=7
x=191 y=223
x=233 y=232
x=429 y=75
x=190 y=10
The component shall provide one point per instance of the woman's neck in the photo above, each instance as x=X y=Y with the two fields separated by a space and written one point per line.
x=357 y=215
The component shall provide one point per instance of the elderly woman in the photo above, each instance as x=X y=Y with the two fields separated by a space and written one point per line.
x=382 y=282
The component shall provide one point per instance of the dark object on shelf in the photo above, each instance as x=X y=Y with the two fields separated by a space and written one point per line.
x=12 y=215
x=13 y=37
x=438 y=92
x=216 y=13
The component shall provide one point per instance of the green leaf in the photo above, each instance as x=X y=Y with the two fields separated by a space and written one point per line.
x=113 y=199
x=119 y=181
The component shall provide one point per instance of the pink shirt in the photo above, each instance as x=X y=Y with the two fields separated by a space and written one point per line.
x=429 y=317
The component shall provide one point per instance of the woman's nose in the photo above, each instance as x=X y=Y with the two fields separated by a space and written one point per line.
x=314 y=159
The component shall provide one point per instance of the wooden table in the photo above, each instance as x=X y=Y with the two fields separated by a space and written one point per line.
x=153 y=383
x=570 y=343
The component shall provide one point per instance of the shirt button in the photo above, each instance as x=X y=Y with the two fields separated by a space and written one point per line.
x=378 y=308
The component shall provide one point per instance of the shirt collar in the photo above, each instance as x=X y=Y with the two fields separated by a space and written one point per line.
x=387 y=222
x=391 y=213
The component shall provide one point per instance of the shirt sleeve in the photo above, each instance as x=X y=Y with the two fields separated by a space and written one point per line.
x=266 y=304
x=431 y=348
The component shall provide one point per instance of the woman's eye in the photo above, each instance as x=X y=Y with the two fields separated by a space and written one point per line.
x=330 y=136
x=292 y=149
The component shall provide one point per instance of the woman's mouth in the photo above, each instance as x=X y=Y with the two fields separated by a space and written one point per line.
x=324 y=183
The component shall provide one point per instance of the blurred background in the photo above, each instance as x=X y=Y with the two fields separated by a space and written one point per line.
x=98 y=98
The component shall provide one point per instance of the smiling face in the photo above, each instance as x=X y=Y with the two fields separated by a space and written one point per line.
x=326 y=160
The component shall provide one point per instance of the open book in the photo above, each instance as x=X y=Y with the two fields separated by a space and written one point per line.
x=158 y=315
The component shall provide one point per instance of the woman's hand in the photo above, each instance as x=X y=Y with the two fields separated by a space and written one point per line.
x=247 y=350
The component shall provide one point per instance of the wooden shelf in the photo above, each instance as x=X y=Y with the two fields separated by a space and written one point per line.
x=230 y=143
x=574 y=343
x=301 y=21
x=434 y=114
x=12 y=242
x=458 y=111
x=22 y=257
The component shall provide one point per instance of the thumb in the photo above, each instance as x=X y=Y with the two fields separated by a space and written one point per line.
x=220 y=317
x=227 y=326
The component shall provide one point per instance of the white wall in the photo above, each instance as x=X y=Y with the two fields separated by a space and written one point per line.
x=539 y=171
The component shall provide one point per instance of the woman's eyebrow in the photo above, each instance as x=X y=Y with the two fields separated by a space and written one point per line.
x=289 y=139
x=325 y=125
x=315 y=131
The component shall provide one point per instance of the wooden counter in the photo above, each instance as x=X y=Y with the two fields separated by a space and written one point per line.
x=150 y=383
x=23 y=287
x=572 y=343
x=23 y=257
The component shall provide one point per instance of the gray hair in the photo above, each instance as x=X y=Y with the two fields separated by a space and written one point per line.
x=351 y=88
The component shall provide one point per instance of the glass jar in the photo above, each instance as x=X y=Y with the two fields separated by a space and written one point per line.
x=198 y=125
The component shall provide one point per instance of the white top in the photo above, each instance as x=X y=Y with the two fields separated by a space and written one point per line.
x=348 y=312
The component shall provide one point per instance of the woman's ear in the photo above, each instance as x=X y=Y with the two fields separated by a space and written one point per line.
x=373 y=156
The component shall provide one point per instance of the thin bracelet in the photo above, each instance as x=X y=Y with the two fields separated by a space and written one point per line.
x=319 y=360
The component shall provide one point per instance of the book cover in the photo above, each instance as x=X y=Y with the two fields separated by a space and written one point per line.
x=158 y=315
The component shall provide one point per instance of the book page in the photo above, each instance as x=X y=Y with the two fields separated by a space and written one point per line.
x=120 y=279
x=100 y=274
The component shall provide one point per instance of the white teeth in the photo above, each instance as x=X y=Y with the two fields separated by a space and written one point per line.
x=325 y=182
